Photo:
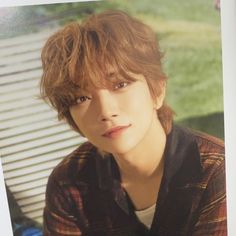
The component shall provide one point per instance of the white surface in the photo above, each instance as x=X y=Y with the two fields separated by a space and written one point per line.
x=5 y=220
x=5 y=3
x=229 y=75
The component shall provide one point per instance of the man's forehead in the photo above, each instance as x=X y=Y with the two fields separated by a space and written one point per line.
x=110 y=72
x=99 y=82
x=107 y=78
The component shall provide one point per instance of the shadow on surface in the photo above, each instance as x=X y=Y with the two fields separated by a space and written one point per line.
x=212 y=124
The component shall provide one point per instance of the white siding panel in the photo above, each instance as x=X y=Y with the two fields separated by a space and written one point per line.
x=27 y=93
x=29 y=200
x=29 y=185
x=14 y=68
x=43 y=158
x=24 y=111
x=44 y=115
x=35 y=214
x=20 y=76
x=20 y=58
x=16 y=104
x=42 y=133
x=32 y=169
x=21 y=48
x=28 y=177
x=36 y=206
x=24 y=39
x=19 y=87
x=38 y=150
x=30 y=193
x=31 y=128
x=39 y=219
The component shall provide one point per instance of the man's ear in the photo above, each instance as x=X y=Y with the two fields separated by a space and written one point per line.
x=160 y=99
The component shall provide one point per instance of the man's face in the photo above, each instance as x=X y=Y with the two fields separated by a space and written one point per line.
x=117 y=119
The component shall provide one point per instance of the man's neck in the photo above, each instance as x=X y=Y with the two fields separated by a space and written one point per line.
x=145 y=161
x=141 y=171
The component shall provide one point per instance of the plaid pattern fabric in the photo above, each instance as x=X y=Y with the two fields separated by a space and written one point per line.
x=84 y=195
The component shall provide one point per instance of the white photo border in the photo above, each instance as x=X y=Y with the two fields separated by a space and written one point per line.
x=228 y=23
x=228 y=17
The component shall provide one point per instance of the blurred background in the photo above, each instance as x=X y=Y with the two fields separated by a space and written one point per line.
x=33 y=141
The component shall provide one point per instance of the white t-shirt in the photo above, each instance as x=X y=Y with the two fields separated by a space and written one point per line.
x=146 y=215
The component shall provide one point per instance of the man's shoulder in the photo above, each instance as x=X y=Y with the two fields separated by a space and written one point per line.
x=211 y=150
x=76 y=165
x=208 y=144
x=205 y=156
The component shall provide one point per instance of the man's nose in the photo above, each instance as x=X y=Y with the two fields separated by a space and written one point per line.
x=106 y=105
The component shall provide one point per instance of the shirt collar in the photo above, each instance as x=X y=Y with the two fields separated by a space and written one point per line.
x=182 y=161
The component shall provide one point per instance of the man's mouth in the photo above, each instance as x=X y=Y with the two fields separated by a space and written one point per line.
x=115 y=131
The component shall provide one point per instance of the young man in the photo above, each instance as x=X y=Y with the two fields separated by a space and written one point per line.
x=138 y=174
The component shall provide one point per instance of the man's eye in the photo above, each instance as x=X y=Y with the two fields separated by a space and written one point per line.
x=120 y=85
x=82 y=99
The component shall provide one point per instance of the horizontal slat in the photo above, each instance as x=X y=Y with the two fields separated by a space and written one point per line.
x=40 y=150
x=21 y=76
x=33 y=207
x=28 y=186
x=21 y=48
x=24 y=57
x=31 y=128
x=29 y=177
x=53 y=130
x=24 y=169
x=35 y=214
x=16 y=68
x=19 y=103
x=12 y=96
x=26 y=39
x=32 y=118
x=6 y=89
x=24 y=112
x=39 y=167
x=36 y=144
x=29 y=200
x=32 y=192
x=12 y=172
x=26 y=163
x=39 y=220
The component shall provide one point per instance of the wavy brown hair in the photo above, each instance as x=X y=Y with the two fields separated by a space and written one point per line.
x=80 y=54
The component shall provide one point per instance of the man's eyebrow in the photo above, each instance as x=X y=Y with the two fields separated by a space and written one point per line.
x=80 y=90
x=112 y=76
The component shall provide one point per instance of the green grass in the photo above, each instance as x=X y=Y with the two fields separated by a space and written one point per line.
x=198 y=10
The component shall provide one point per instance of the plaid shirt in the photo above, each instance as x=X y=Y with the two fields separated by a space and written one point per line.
x=84 y=194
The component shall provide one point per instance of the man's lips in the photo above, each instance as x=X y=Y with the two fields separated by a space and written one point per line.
x=115 y=131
